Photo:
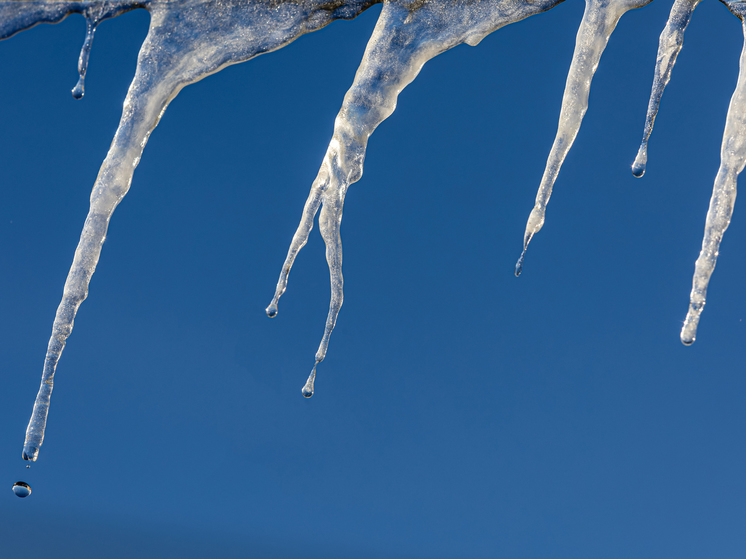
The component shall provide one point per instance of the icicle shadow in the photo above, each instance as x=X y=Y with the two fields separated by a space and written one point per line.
x=185 y=43
x=732 y=162
x=407 y=35
x=669 y=47
x=599 y=21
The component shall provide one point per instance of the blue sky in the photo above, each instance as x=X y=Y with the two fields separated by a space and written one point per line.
x=461 y=412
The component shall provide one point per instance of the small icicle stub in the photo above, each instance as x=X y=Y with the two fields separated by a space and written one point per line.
x=191 y=39
x=92 y=15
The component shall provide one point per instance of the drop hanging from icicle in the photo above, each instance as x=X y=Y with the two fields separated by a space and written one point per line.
x=85 y=52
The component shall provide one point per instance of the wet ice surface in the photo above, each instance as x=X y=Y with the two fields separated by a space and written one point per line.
x=186 y=41
x=732 y=153
x=191 y=39
x=732 y=161
x=599 y=21
x=670 y=44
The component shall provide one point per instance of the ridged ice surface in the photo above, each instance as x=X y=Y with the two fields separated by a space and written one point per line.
x=191 y=39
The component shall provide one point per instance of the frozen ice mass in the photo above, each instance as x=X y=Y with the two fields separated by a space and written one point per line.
x=191 y=39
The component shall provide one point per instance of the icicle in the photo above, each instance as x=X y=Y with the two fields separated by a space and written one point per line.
x=599 y=20
x=185 y=43
x=91 y=22
x=669 y=46
x=406 y=36
x=732 y=161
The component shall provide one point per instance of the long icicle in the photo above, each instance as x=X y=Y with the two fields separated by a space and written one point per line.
x=732 y=161
x=599 y=21
x=669 y=47
x=185 y=43
x=143 y=108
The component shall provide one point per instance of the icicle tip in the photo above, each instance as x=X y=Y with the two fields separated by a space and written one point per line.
x=519 y=264
x=641 y=162
x=79 y=89
x=271 y=310
x=307 y=390
x=30 y=453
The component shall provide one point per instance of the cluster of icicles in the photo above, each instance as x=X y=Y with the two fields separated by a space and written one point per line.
x=191 y=39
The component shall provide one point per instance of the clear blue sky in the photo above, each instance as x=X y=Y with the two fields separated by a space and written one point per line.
x=461 y=412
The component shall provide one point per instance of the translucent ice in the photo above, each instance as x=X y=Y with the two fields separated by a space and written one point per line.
x=669 y=47
x=191 y=39
x=599 y=21
x=407 y=35
x=732 y=161
x=186 y=41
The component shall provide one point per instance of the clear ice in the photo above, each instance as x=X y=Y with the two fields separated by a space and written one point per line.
x=599 y=21
x=191 y=39
x=669 y=47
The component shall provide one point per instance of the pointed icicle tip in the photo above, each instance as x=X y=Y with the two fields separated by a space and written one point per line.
x=519 y=264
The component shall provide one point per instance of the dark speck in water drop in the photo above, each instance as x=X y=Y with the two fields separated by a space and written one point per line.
x=22 y=489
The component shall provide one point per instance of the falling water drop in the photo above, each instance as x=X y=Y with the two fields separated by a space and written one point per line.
x=28 y=466
x=21 y=489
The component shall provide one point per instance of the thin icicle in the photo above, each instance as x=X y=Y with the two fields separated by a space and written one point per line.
x=185 y=42
x=732 y=161
x=91 y=21
x=407 y=35
x=669 y=47
x=599 y=21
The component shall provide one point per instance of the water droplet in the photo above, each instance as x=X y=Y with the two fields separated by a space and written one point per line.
x=308 y=387
x=272 y=311
x=641 y=161
x=22 y=489
x=85 y=53
x=79 y=89
x=28 y=466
